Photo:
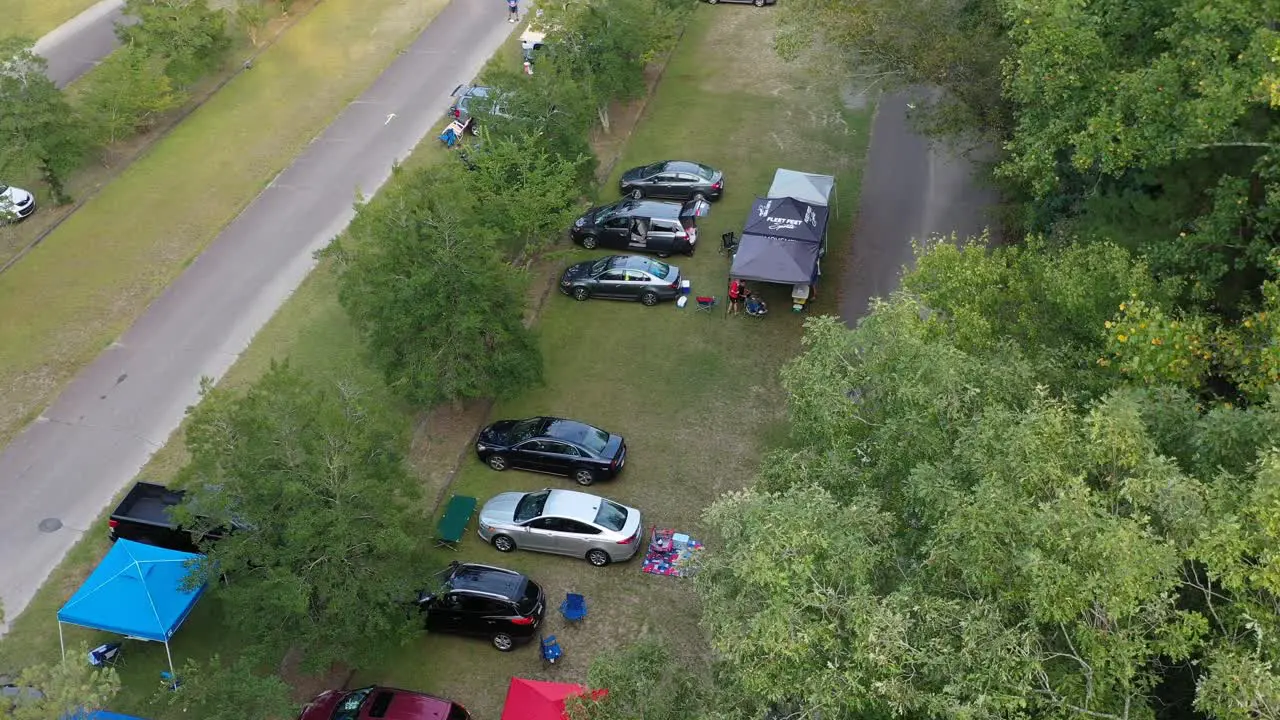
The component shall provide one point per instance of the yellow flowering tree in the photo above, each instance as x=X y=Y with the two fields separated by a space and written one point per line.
x=1148 y=345
x=1250 y=351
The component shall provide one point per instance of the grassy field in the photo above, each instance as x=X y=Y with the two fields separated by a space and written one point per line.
x=696 y=394
x=31 y=19
x=96 y=273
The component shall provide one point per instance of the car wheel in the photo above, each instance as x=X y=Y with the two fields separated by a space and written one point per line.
x=649 y=299
x=664 y=255
x=502 y=543
x=599 y=558
x=637 y=193
x=590 y=242
x=497 y=462
x=712 y=2
x=758 y=3
x=581 y=293
x=584 y=477
x=503 y=642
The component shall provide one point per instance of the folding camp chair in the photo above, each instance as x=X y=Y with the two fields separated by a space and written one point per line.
x=551 y=651
x=705 y=302
x=574 y=607
x=728 y=243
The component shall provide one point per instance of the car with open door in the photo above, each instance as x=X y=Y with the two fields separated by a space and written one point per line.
x=554 y=446
x=484 y=601
x=648 y=226
x=673 y=179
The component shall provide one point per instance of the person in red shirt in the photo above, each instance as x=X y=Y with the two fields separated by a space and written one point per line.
x=737 y=289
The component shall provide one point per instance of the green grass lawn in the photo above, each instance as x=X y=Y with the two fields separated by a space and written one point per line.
x=31 y=19
x=96 y=273
x=696 y=394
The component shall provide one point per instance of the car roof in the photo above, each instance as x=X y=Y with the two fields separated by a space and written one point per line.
x=638 y=262
x=403 y=705
x=477 y=91
x=483 y=578
x=572 y=504
x=648 y=208
x=568 y=430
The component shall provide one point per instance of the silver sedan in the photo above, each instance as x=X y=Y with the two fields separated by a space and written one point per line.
x=564 y=522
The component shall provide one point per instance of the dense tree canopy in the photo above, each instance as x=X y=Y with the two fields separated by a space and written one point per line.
x=189 y=36
x=441 y=312
x=61 y=689
x=327 y=517
x=42 y=134
x=978 y=516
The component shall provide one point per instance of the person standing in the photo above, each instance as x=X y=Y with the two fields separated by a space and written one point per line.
x=513 y=10
x=736 y=289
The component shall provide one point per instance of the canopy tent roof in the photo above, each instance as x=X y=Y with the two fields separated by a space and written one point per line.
x=135 y=591
x=538 y=700
x=775 y=259
x=807 y=187
x=787 y=217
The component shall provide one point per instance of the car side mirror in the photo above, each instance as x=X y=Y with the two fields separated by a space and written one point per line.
x=425 y=599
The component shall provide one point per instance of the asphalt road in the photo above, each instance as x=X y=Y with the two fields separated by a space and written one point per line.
x=911 y=188
x=63 y=470
x=80 y=43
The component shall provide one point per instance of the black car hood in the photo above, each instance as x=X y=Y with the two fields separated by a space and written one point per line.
x=498 y=433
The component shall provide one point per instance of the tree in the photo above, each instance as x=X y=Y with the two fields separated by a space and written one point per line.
x=530 y=195
x=604 y=47
x=189 y=36
x=62 y=689
x=643 y=682
x=327 y=517
x=252 y=17
x=227 y=691
x=127 y=94
x=551 y=106
x=43 y=134
x=440 y=311
x=962 y=540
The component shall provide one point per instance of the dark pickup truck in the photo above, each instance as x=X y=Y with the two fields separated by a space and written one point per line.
x=145 y=516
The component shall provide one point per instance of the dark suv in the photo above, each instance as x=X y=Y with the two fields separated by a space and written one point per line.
x=486 y=601
x=650 y=226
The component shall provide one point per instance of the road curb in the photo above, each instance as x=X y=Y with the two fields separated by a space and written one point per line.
x=245 y=64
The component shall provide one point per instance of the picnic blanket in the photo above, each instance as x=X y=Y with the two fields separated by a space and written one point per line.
x=672 y=553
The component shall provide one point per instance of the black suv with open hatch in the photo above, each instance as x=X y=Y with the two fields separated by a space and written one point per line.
x=485 y=601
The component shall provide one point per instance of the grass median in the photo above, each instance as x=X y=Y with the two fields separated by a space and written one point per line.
x=34 y=18
x=92 y=277
x=696 y=394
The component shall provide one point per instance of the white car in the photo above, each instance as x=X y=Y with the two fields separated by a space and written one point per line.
x=15 y=203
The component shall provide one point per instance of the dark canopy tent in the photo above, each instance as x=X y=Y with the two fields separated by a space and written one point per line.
x=782 y=241
x=777 y=260
x=786 y=218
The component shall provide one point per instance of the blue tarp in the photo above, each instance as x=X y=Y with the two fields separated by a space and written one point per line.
x=104 y=715
x=136 y=591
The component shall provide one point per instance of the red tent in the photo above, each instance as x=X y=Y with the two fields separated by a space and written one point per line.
x=537 y=700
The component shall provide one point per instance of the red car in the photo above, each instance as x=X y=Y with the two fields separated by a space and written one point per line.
x=380 y=703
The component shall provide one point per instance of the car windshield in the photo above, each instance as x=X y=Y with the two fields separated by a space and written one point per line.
x=611 y=515
x=528 y=598
x=653 y=169
x=4 y=188
x=601 y=265
x=525 y=429
x=349 y=706
x=530 y=506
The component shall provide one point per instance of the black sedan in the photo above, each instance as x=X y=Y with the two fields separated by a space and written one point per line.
x=622 y=277
x=552 y=445
x=676 y=179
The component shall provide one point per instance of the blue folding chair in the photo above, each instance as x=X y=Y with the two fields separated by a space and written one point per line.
x=574 y=607
x=551 y=651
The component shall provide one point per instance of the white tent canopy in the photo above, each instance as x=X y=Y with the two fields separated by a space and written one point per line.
x=809 y=187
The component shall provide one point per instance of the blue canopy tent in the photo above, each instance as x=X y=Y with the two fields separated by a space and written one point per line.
x=136 y=591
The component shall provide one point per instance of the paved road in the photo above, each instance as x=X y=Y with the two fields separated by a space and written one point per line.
x=66 y=467
x=80 y=43
x=911 y=188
